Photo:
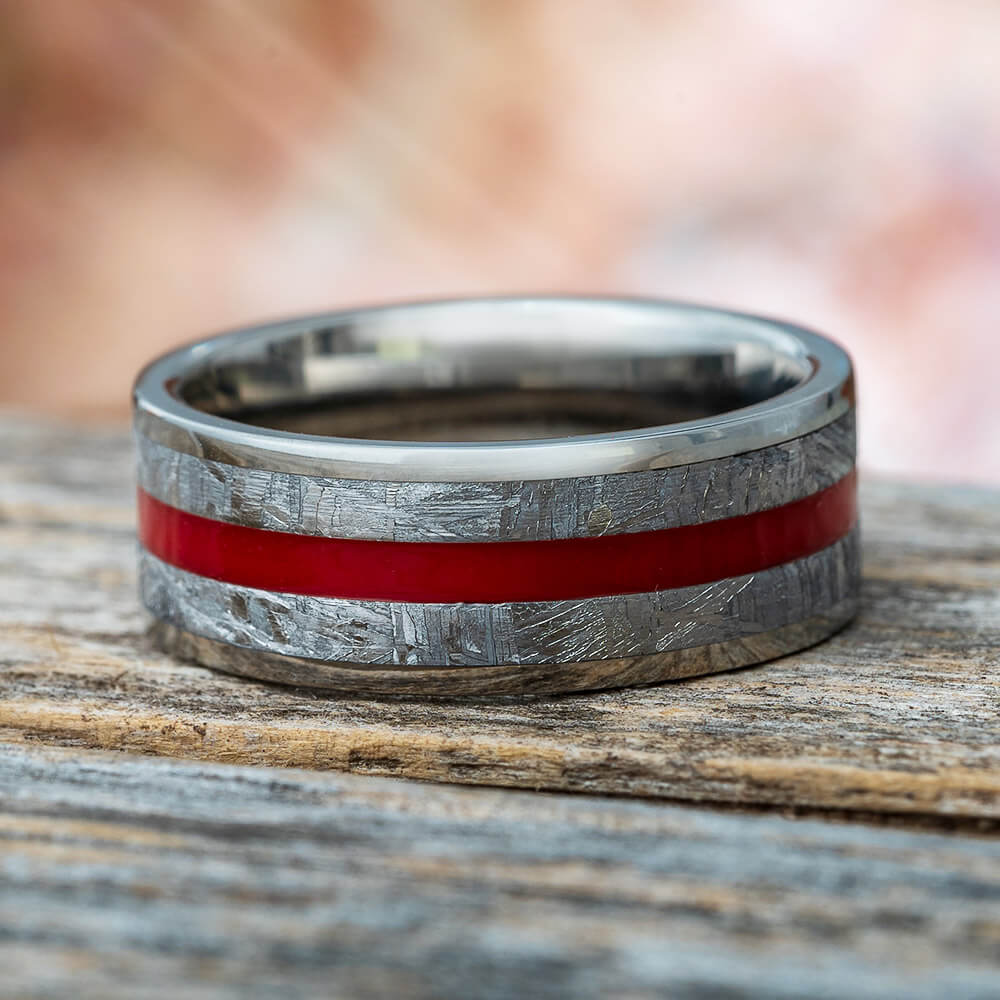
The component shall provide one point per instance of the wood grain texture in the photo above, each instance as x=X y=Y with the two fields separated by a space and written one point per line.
x=898 y=714
x=145 y=878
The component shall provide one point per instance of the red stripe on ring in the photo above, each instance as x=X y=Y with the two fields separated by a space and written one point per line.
x=560 y=569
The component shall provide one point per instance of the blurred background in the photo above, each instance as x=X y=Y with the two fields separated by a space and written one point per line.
x=171 y=169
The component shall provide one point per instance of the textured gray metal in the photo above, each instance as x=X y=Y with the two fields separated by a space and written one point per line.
x=506 y=679
x=384 y=632
x=498 y=511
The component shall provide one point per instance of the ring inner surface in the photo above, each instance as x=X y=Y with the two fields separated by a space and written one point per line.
x=496 y=374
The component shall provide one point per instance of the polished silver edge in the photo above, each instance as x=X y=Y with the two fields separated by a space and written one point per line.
x=499 y=511
x=523 y=679
x=160 y=416
x=468 y=635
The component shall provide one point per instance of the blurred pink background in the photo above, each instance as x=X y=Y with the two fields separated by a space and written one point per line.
x=170 y=169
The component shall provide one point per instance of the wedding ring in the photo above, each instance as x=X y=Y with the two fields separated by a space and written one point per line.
x=498 y=496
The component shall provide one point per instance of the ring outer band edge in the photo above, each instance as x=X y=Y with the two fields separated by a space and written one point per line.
x=160 y=415
x=503 y=680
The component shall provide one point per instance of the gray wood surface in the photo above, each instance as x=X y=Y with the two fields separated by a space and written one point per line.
x=141 y=876
x=146 y=878
x=898 y=714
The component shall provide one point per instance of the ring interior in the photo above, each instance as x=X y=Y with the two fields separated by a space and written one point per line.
x=498 y=371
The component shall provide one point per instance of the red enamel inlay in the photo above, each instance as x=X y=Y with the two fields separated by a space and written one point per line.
x=433 y=572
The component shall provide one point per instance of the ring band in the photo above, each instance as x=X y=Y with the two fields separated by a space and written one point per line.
x=498 y=495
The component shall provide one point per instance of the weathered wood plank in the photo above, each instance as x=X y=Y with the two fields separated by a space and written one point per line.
x=145 y=878
x=899 y=714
